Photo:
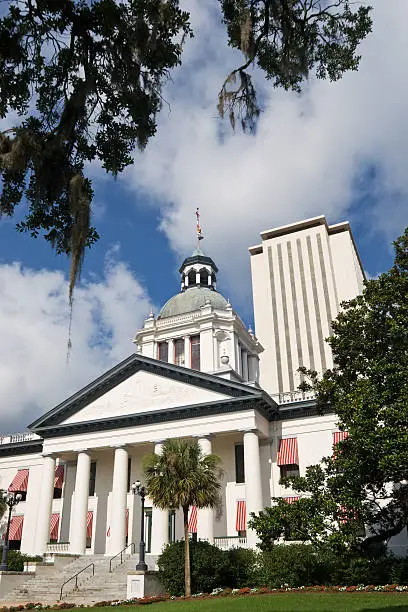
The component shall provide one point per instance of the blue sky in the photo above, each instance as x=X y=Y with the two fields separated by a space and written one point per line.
x=339 y=150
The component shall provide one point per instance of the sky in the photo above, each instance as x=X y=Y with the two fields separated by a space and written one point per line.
x=340 y=149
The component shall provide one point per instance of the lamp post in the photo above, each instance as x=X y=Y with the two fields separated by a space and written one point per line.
x=138 y=489
x=11 y=499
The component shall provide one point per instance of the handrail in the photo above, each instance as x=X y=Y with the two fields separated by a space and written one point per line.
x=76 y=577
x=121 y=555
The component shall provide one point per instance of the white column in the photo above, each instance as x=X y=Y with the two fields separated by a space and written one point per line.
x=171 y=351
x=187 y=352
x=45 y=498
x=245 y=373
x=79 y=515
x=253 y=483
x=160 y=521
x=118 y=511
x=205 y=518
x=197 y=278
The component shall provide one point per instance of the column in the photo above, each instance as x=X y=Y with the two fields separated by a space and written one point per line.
x=205 y=518
x=253 y=483
x=187 y=352
x=46 y=495
x=118 y=505
x=245 y=373
x=171 y=351
x=79 y=515
x=160 y=520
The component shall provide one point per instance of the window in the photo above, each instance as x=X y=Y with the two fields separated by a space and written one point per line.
x=163 y=351
x=191 y=278
x=239 y=463
x=57 y=493
x=179 y=351
x=195 y=352
x=92 y=477
x=172 y=526
x=129 y=470
x=289 y=470
x=204 y=278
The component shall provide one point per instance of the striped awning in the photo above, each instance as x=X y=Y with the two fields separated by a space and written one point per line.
x=59 y=477
x=241 y=516
x=288 y=452
x=339 y=436
x=127 y=525
x=20 y=482
x=54 y=526
x=16 y=527
x=89 y=521
x=192 y=521
x=290 y=500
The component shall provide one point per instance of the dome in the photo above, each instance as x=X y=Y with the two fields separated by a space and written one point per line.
x=192 y=299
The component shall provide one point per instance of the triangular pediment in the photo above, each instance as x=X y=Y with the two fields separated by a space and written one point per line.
x=140 y=385
x=144 y=392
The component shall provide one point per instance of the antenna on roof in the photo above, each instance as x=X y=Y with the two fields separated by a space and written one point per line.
x=199 y=233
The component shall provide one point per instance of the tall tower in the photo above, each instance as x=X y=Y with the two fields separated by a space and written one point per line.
x=300 y=275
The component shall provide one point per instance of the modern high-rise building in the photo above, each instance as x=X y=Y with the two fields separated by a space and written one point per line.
x=300 y=275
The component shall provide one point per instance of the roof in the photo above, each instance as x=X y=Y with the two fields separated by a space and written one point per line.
x=192 y=299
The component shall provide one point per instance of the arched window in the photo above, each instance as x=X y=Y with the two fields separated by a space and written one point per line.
x=204 y=277
x=191 y=278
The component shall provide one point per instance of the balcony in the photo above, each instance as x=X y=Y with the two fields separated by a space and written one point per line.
x=227 y=542
x=17 y=438
x=290 y=397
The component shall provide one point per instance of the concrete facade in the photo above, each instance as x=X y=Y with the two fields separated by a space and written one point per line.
x=198 y=373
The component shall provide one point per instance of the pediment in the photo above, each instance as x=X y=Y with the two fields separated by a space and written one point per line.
x=139 y=385
x=143 y=392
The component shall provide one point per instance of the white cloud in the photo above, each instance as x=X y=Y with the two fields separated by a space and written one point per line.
x=34 y=373
x=306 y=158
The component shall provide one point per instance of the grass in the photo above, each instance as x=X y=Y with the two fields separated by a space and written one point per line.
x=284 y=602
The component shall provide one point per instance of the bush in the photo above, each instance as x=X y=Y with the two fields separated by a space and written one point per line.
x=288 y=564
x=16 y=560
x=244 y=567
x=210 y=568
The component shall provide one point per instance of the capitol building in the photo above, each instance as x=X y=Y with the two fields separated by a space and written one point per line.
x=195 y=371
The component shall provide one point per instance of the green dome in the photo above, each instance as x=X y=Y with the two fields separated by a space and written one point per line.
x=192 y=299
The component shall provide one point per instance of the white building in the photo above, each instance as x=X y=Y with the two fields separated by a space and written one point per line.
x=197 y=373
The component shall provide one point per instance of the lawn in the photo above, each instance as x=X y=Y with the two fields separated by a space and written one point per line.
x=285 y=602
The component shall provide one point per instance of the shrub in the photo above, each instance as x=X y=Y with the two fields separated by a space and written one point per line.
x=288 y=564
x=210 y=568
x=243 y=567
x=16 y=560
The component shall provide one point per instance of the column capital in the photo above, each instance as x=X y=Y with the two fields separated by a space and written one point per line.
x=209 y=436
x=116 y=446
x=253 y=430
x=50 y=455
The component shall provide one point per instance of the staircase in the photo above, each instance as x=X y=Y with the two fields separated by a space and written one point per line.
x=46 y=586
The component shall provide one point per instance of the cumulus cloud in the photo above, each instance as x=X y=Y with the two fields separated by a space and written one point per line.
x=310 y=154
x=34 y=316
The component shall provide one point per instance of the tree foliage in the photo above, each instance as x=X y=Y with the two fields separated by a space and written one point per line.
x=366 y=479
x=81 y=80
x=182 y=477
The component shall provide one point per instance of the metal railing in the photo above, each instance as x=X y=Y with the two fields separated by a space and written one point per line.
x=226 y=542
x=76 y=577
x=121 y=555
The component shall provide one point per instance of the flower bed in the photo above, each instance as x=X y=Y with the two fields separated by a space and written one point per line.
x=219 y=592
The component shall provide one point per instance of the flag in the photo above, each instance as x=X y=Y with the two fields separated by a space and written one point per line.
x=199 y=234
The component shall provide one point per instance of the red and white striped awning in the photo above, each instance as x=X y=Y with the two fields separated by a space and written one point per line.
x=16 y=527
x=288 y=452
x=290 y=500
x=339 y=436
x=241 y=516
x=59 y=477
x=20 y=482
x=127 y=525
x=89 y=521
x=54 y=526
x=192 y=521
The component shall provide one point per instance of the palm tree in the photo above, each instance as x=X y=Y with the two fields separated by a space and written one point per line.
x=181 y=477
